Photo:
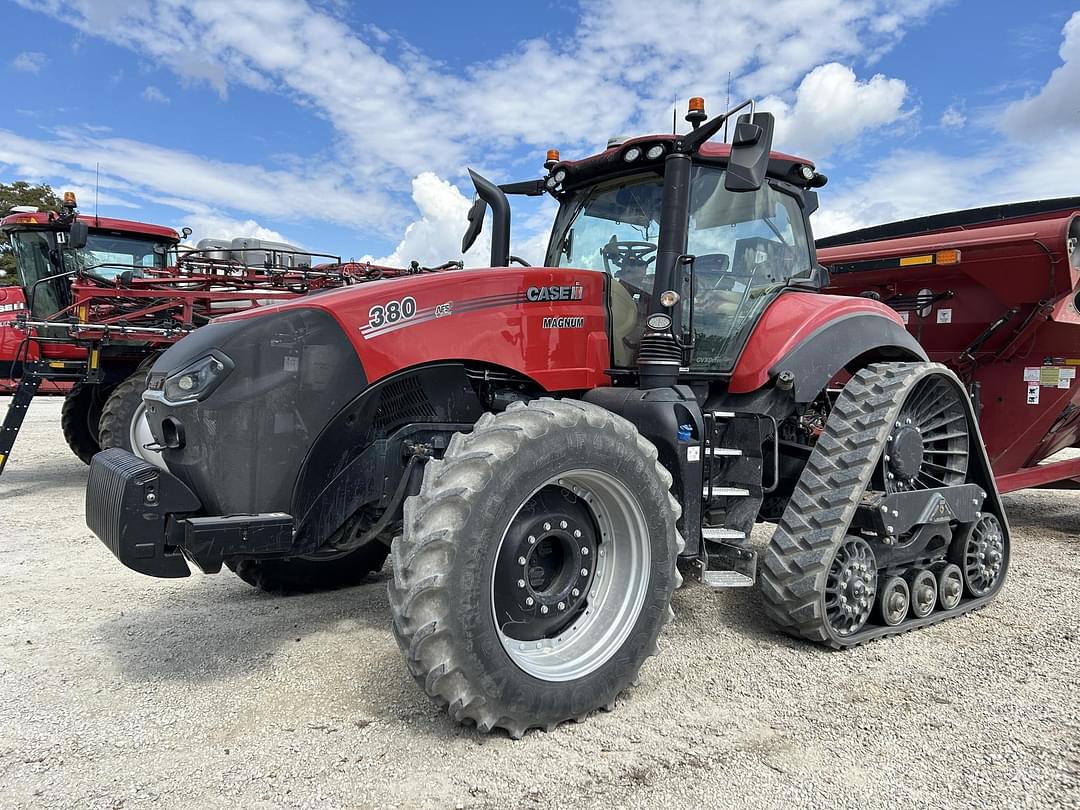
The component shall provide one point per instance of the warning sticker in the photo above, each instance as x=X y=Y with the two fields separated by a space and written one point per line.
x=1033 y=394
x=944 y=316
x=905 y=317
x=1049 y=376
x=1031 y=374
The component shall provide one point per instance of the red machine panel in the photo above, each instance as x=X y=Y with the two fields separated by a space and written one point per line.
x=548 y=324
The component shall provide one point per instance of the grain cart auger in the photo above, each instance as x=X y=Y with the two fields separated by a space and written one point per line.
x=541 y=445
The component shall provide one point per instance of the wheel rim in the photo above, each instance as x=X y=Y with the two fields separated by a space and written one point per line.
x=895 y=599
x=608 y=565
x=139 y=435
x=851 y=587
x=984 y=556
x=928 y=446
x=924 y=593
x=950 y=586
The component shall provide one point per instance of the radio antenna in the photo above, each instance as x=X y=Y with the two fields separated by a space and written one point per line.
x=727 y=104
x=97 y=186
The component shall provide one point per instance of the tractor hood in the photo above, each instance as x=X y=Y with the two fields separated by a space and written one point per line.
x=240 y=404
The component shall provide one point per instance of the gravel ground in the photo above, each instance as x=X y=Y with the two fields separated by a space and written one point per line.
x=117 y=690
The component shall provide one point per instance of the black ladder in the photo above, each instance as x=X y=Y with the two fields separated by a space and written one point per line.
x=732 y=491
x=34 y=373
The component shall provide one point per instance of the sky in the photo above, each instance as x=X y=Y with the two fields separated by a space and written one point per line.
x=348 y=128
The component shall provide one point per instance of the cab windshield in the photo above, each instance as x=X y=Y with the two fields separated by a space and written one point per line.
x=746 y=246
x=105 y=255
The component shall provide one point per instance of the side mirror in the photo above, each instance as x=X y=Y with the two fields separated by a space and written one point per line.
x=476 y=224
x=78 y=235
x=750 y=149
x=185 y=232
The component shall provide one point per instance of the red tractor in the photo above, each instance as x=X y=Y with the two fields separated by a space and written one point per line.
x=105 y=297
x=542 y=448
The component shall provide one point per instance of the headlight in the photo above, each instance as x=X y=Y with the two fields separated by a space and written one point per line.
x=632 y=154
x=560 y=175
x=199 y=379
x=655 y=151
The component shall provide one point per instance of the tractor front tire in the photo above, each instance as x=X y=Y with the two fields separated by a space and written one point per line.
x=536 y=566
x=310 y=575
x=79 y=419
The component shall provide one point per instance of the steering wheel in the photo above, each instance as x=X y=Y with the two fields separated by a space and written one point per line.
x=619 y=253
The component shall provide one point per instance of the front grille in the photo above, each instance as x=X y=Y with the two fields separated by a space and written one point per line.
x=110 y=474
x=402 y=402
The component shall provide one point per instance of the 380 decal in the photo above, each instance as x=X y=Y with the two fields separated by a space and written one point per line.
x=391 y=312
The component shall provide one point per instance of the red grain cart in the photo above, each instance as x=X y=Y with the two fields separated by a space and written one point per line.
x=993 y=294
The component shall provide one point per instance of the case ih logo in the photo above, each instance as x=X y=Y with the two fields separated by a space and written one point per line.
x=564 y=323
x=568 y=293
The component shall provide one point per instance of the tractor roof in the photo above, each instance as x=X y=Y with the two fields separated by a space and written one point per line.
x=610 y=161
x=47 y=219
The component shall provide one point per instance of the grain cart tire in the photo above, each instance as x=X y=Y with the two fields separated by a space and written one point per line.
x=536 y=566
x=123 y=423
x=79 y=419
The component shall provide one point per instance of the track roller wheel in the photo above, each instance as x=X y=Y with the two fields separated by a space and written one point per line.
x=851 y=587
x=894 y=599
x=923 y=587
x=950 y=580
x=536 y=566
x=981 y=555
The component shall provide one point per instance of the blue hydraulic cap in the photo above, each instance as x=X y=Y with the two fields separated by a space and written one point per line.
x=685 y=432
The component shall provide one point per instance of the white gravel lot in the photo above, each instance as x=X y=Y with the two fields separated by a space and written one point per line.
x=120 y=691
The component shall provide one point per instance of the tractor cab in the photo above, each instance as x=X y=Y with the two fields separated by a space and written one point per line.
x=49 y=251
x=737 y=236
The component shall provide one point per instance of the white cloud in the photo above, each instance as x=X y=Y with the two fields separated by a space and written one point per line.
x=1056 y=107
x=436 y=236
x=29 y=61
x=214 y=225
x=953 y=118
x=192 y=183
x=915 y=183
x=833 y=107
x=154 y=94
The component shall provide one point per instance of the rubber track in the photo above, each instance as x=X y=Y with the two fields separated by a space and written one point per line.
x=815 y=522
x=424 y=553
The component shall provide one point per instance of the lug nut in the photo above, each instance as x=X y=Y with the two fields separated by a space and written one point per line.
x=521 y=583
x=562 y=605
x=547 y=527
x=521 y=560
x=530 y=601
x=544 y=609
x=531 y=539
x=584 y=572
x=577 y=532
x=584 y=551
x=562 y=524
x=575 y=593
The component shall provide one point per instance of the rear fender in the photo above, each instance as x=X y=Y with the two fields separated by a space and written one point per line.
x=816 y=337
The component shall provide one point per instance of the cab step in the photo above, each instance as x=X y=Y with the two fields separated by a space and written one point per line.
x=726 y=579
x=718 y=535
x=724 y=492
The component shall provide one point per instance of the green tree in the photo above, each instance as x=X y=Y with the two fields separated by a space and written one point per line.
x=20 y=193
